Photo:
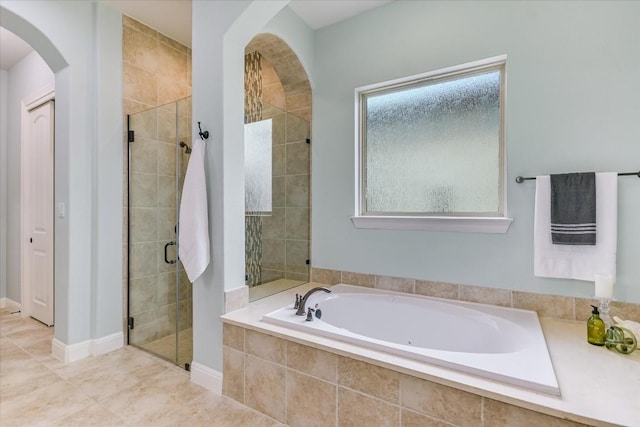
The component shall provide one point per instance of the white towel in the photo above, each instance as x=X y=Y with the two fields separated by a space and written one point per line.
x=577 y=262
x=193 y=241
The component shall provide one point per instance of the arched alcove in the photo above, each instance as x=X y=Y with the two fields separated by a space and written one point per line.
x=277 y=239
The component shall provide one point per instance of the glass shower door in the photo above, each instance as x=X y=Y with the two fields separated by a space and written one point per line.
x=160 y=304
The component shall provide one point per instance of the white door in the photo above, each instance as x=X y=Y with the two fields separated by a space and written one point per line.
x=39 y=212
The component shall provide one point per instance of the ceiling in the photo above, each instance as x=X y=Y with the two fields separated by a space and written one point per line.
x=173 y=18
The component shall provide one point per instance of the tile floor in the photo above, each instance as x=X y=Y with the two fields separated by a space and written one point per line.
x=126 y=387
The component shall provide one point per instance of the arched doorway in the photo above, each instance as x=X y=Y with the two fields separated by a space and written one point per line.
x=277 y=230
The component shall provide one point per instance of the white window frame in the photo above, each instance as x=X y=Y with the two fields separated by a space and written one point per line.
x=479 y=223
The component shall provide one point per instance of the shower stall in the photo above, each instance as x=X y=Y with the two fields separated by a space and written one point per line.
x=159 y=293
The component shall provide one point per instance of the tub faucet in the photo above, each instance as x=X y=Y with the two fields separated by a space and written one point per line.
x=303 y=302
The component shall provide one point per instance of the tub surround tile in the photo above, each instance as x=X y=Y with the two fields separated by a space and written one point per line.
x=357 y=409
x=324 y=276
x=438 y=289
x=500 y=414
x=545 y=305
x=414 y=419
x=501 y=297
x=366 y=378
x=233 y=368
x=233 y=336
x=623 y=310
x=396 y=284
x=234 y=299
x=310 y=402
x=439 y=401
x=266 y=347
x=265 y=387
x=358 y=279
x=312 y=361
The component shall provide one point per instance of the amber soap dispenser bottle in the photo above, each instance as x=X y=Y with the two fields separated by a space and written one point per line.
x=595 y=328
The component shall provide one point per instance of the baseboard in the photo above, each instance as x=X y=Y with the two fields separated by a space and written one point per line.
x=106 y=344
x=10 y=304
x=206 y=377
x=72 y=352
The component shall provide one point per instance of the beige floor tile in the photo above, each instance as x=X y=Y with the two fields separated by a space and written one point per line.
x=212 y=410
x=50 y=402
x=126 y=387
x=94 y=416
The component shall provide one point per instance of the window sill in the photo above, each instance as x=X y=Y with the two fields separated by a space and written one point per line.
x=435 y=223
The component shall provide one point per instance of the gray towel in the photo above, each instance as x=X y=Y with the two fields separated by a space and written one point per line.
x=573 y=209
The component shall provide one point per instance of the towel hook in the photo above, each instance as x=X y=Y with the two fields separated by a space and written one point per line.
x=204 y=135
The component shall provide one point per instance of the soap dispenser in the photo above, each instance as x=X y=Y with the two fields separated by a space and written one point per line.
x=596 y=330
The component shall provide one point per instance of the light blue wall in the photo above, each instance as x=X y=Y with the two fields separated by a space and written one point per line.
x=80 y=42
x=572 y=105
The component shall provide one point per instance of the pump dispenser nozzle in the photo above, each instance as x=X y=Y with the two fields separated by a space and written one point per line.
x=596 y=330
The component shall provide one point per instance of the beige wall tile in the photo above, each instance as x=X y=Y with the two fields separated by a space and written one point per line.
x=279 y=164
x=545 y=305
x=274 y=94
x=442 y=402
x=369 y=379
x=144 y=157
x=140 y=49
x=356 y=410
x=144 y=225
x=265 y=346
x=265 y=387
x=297 y=252
x=273 y=254
x=172 y=64
x=139 y=85
x=500 y=414
x=298 y=155
x=297 y=223
x=303 y=113
x=297 y=188
x=145 y=126
x=413 y=419
x=324 y=276
x=437 y=289
x=299 y=100
x=170 y=90
x=358 y=279
x=235 y=299
x=486 y=295
x=172 y=43
x=310 y=402
x=297 y=129
x=397 y=284
x=583 y=308
x=278 y=191
x=233 y=373
x=312 y=361
x=625 y=310
x=136 y=25
x=233 y=336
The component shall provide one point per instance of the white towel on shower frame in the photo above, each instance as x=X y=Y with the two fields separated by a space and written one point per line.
x=193 y=239
x=570 y=261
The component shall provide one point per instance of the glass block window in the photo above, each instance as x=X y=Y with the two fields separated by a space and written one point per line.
x=433 y=144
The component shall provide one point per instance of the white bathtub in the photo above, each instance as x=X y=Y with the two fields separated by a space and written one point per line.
x=498 y=343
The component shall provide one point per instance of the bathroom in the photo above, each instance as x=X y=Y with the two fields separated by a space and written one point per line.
x=558 y=102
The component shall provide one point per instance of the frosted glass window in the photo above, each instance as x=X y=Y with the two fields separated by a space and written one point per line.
x=257 y=166
x=433 y=146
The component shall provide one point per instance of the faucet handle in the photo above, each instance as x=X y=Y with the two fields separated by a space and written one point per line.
x=310 y=315
x=297 y=304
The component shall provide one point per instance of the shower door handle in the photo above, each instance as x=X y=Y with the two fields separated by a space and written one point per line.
x=166 y=259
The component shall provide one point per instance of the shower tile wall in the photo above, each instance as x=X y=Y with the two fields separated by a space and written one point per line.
x=157 y=71
x=286 y=233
